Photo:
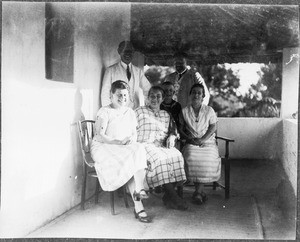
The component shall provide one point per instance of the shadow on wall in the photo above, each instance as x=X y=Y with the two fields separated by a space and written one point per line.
x=287 y=200
x=59 y=44
x=75 y=147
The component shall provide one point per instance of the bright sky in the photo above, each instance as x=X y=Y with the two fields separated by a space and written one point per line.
x=247 y=73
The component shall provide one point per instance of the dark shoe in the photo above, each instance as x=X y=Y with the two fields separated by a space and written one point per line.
x=175 y=203
x=180 y=191
x=165 y=199
x=158 y=189
x=199 y=198
x=143 y=194
x=140 y=218
x=204 y=197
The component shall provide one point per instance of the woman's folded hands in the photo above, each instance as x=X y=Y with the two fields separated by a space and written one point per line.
x=126 y=141
x=195 y=141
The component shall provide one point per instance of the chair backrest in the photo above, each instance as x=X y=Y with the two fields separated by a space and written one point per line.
x=86 y=134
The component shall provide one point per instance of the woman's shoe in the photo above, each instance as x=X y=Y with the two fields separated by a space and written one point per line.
x=165 y=199
x=175 y=203
x=197 y=198
x=204 y=197
x=141 y=195
x=145 y=219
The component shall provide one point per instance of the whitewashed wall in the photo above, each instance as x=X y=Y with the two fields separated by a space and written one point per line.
x=41 y=162
x=255 y=138
x=290 y=148
x=290 y=84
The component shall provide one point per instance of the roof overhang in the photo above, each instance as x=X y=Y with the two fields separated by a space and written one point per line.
x=212 y=34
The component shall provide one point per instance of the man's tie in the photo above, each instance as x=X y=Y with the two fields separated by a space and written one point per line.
x=179 y=76
x=128 y=73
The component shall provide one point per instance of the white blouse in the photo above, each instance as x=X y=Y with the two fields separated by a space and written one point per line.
x=198 y=126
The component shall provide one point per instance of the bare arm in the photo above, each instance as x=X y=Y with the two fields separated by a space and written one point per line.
x=182 y=124
x=201 y=81
x=211 y=129
x=100 y=128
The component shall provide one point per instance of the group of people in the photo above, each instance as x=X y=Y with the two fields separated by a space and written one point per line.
x=134 y=143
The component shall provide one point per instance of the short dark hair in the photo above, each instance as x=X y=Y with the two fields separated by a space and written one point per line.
x=167 y=83
x=198 y=85
x=119 y=84
x=180 y=55
x=125 y=43
x=157 y=88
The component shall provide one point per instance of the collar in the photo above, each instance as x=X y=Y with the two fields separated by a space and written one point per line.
x=168 y=104
x=125 y=65
x=182 y=72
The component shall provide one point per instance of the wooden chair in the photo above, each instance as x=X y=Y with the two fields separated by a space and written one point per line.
x=225 y=162
x=86 y=133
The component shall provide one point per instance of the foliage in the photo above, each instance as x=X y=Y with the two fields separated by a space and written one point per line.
x=262 y=99
x=156 y=74
x=223 y=85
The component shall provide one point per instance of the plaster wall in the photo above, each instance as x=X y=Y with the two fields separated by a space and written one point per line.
x=40 y=159
x=290 y=83
x=255 y=138
x=290 y=151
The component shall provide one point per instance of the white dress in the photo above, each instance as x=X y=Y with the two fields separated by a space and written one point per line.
x=203 y=163
x=116 y=164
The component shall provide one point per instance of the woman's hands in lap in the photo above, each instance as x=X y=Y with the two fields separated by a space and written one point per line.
x=127 y=141
x=196 y=141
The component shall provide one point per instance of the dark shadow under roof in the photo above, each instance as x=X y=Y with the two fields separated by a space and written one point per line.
x=212 y=34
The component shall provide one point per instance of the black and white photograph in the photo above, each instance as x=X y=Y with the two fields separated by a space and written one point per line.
x=149 y=120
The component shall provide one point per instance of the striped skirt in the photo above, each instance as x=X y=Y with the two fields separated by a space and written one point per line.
x=203 y=164
x=164 y=166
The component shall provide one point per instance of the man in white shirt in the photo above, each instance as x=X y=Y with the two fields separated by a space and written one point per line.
x=183 y=79
x=125 y=71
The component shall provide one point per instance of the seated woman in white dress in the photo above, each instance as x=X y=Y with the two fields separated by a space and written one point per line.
x=165 y=162
x=198 y=124
x=119 y=159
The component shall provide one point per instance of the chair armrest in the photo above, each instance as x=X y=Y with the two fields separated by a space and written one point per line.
x=227 y=140
x=224 y=138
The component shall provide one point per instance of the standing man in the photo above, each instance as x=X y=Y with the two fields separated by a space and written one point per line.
x=125 y=71
x=183 y=79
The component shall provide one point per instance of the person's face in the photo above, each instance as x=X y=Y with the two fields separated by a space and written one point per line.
x=180 y=64
x=197 y=95
x=155 y=99
x=169 y=91
x=126 y=54
x=120 y=97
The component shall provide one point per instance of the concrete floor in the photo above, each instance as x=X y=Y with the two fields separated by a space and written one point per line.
x=252 y=212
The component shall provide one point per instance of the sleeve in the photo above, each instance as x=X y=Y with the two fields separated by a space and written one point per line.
x=101 y=123
x=136 y=112
x=178 y=108
x=167 y=77
x=199 y=79
x=184 y=133
x=105 y=90
x=145 y=85
x=181 y=122
x=212 y=116
x=172 y=127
